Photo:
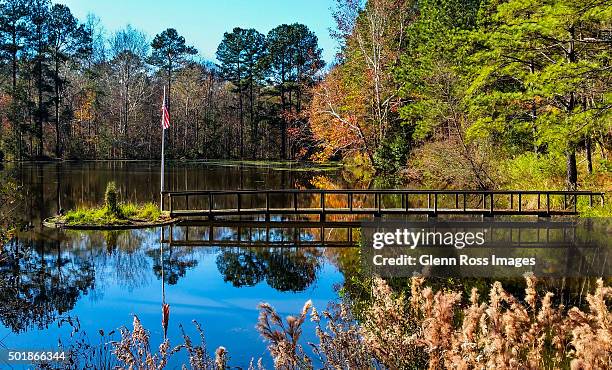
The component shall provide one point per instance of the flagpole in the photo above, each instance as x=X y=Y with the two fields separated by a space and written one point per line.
x=161 y=203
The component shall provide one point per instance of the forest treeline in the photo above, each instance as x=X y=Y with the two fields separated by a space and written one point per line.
x=71 y=90
x=472 y=93
x=476 y=93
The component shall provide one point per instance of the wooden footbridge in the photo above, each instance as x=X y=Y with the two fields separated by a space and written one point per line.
x=359 y=204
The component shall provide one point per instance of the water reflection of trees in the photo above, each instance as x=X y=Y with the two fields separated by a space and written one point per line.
x=43 y=273
x=175 y=263
x=38 y=283
x=284 y=269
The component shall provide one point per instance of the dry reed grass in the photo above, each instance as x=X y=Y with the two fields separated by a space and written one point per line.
x=434 y=330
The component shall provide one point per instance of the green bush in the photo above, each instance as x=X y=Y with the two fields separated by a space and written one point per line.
x=392 y=155
x=148 y=211
x=530 y=171
x=111 y=200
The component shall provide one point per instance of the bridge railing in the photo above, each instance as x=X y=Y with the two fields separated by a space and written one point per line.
x=378 y=201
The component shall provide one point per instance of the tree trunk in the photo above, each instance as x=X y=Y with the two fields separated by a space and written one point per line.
x=57 y=103
x=240 y=107
x=572 y=170
x=589 y=155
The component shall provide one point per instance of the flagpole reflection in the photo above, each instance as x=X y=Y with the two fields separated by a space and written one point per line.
x=165 y=306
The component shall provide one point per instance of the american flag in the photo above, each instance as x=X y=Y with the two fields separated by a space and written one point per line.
x=165 y=120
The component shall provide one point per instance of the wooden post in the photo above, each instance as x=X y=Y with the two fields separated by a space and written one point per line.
x=520 y=202
x=239 y=201
x=295 y=201
x=492 y=205
x=436 y=204
x=350 y=201
x=548 y=204
x=210 y=206
x=511 y=201
x=267 y=213
x=322 y=217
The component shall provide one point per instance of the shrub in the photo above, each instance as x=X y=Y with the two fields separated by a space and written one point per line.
x=111 y=199
x=530 y=171
x=148 y=211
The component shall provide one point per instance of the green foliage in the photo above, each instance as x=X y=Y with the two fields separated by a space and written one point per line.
x=530 y=171
x=127 y=212
x=605 y=166
x=597 y=210
x=111 y=200
x=538 y=79
x=170 y=50
x=147 y=211
x=392 y=154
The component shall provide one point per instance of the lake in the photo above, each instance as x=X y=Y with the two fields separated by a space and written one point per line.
x=60 y=285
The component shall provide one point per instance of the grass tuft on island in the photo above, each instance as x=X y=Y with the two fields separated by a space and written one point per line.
x=128 y=213
x=112 y=214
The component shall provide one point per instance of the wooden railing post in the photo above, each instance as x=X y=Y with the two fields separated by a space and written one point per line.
x=492 y=205
x=267 y=216
x=548 y=203
x=350 y=201
x=295 y=201
x=171 y=204
x=239 y=200
x=322 y=217
x=436 y=204
x=575 y=203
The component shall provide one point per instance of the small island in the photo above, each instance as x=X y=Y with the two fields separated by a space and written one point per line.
x=112 y=215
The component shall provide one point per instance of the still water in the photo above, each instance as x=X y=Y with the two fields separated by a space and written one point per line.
x=98 y=280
